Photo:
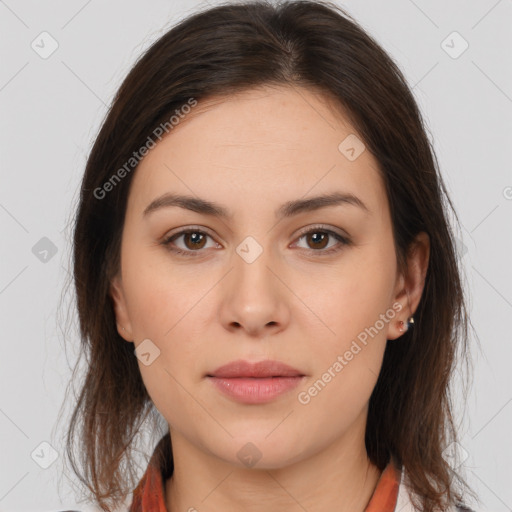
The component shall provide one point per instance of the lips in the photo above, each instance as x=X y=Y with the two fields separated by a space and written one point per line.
x=255 y=383
x=261 y=369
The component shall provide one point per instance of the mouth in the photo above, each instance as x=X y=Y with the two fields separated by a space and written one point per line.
x=261 y=369
x=255 y=383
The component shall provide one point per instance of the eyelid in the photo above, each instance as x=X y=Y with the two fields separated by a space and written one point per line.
x=192 y=227
x=302 y=232
x=320 y=227
x=343 y=239
x=167 y=238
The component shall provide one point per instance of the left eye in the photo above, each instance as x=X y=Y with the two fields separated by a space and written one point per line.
x=319 y=237
x=194 y=240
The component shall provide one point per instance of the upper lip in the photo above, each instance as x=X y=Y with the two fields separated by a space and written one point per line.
x=261 y=369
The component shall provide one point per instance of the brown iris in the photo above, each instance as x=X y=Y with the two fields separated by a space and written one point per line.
x=197 y=241
x=317 y=240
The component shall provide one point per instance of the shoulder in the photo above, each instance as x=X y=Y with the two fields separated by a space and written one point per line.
x=404 y=502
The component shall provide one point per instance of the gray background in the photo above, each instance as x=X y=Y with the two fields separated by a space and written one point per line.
x=51 y=110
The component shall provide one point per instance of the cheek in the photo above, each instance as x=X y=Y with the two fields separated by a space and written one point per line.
x=348 y=354
x=350 y=297
x=348 y=357
x=164 y=304
x=159 y=293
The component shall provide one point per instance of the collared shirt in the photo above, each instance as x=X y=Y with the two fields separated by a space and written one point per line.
x=149 y=495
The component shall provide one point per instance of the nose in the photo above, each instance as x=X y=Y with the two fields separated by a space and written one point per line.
x=254 y=297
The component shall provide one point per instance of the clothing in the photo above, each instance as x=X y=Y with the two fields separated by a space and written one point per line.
x=149 y=496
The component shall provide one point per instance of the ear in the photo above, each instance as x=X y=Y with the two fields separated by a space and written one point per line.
x=409 y=286
x=120 y=309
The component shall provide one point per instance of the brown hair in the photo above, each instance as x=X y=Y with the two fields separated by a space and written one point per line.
x=228 y=49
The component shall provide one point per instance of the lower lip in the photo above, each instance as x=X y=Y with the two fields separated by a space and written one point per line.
x=255 y=391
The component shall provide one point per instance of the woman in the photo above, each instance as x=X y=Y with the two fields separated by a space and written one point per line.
x=262 y=256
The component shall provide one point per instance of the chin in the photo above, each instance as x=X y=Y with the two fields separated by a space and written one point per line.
x=260 y=450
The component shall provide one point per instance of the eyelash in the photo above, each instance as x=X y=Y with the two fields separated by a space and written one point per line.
x=344 y=241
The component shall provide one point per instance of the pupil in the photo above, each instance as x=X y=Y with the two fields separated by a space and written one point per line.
x=318 y=237
x=195 y=238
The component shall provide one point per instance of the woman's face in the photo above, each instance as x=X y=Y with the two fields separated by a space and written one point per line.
x=253 y=285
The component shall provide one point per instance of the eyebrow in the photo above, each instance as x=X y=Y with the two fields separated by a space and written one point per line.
x=288 y=209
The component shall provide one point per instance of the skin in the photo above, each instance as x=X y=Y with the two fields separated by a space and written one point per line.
x=251 y=153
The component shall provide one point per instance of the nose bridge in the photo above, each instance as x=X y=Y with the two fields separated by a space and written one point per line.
x=252 y=260
x=254 y=298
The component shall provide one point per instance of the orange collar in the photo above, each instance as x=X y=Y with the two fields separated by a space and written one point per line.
x=149 y=495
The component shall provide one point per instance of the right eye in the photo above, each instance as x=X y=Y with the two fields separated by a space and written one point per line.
x=194 y=240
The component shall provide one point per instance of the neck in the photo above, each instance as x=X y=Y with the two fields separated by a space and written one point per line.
x=340 y=478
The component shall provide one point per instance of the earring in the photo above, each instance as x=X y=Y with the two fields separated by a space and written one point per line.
x=410 y=323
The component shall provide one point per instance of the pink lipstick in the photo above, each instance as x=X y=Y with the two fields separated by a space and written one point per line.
x=255 y=383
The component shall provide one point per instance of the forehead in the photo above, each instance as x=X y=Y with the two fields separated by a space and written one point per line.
x=267 y=145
